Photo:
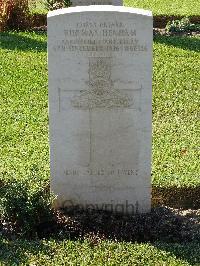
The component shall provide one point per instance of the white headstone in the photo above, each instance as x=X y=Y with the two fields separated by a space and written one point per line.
x=96 y=2
x=100 y=86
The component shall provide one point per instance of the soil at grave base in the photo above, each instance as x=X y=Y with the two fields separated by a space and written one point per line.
x=175 y=217
x=161 y=224
x=176 y=197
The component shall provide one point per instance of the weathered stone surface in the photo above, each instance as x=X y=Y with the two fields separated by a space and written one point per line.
x=100 y=79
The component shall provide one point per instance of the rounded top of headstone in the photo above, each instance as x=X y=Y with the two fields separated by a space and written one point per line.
x=98 y=8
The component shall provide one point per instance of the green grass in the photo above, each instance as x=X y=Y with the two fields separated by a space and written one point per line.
x=159 y=7
x=105 y=253
x=24 y=109
x=167 y=7
x=38 y=6
x=25 y=150
x=176 y=99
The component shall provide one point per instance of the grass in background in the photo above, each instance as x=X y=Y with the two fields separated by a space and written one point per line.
x=37 y=7
x=24 y=152
x=159 y=7
x=167 y=7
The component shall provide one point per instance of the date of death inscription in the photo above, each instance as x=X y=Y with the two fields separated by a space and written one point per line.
x=102 y=172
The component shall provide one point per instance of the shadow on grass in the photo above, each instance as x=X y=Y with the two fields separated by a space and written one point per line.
x=27 y=215
x=167 y=229
x=189 y=253
x=183 y=42
x=15 y=41
x=176 y=197
x=164 y=228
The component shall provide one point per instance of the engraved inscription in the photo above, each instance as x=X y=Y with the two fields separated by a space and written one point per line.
x=101 y=93
x=102 y=172
x=111 y=36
